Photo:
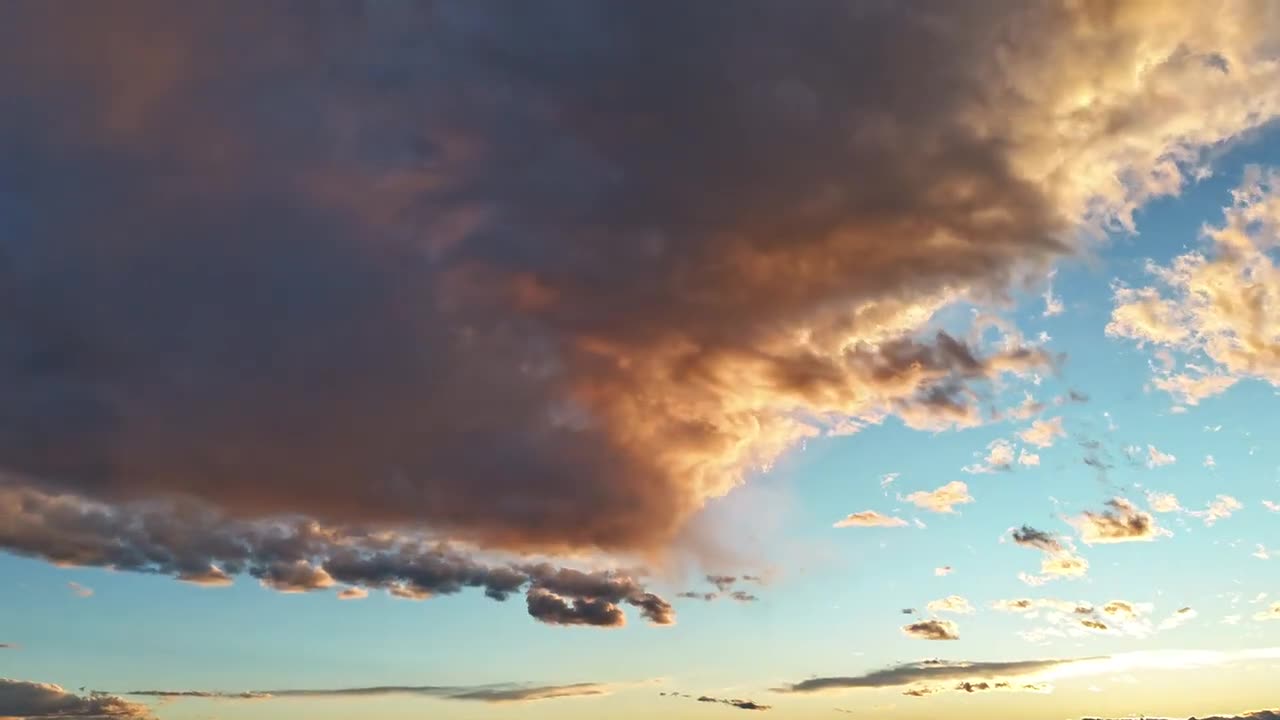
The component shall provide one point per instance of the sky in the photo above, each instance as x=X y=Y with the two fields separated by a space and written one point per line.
x=575 y=359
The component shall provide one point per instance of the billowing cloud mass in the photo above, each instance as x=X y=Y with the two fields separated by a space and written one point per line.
x=1220 y=302
x=192 y=543
x=556 y=276
x=932 y=630
x=870 y=518
x=21 y=699
x=943 y=499
x=1121 y=522
x=496 y=693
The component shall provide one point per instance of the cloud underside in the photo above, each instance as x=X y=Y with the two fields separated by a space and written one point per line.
x=189 y=542
x=28 y=700
x=489 y=289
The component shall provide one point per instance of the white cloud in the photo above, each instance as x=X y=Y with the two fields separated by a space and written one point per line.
x=1028 y=459
x=870 y=518
x=951 y=604
x=943 y=499
x=1156 y=458
x=944 y=570
x=1043 y=433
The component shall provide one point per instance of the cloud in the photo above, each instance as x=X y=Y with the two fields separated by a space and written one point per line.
x=498 y=693
x=1122 y=522
x=1255 y=715
x=1179 y=618
x=951 y=604
x=1156 y=459
x=734 y=702
x=1027 y=536
x=1052 y=303
x=999 y=458
x=1220 y=508
x=1028 y=459
x=1271 y=505
x=80 y=590
x=942 y=571
x=936 y=672
x=31 y=700
x=932 y=630
x=943 y=499
x=197 y=545
x=1043 y=433
x=1271 y=613
x=353 y=593
x=870 y=518
x=1163 y=502
x=1218 y=302
x=566 y=310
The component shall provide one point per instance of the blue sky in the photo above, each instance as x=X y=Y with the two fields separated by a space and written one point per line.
x=461 y=325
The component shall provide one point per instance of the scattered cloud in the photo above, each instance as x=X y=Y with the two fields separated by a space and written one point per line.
x=1043 y=433
x=1028 y=459
x=1163 y=502
x=353 y=593
x=1220 y=508
x=999 y=458
x=1121 y=522
x=1271 y=613
x=942 y=571
x=1255 y=715
x=932 y=630
x=870 y=518
x=943 y=499
x=887 y=479
x=1271 y=505
x=950 y=604
x=1052 y=303
x=80 y=590
x=1027 y=536
x=1178 y=618
x=1156 y=459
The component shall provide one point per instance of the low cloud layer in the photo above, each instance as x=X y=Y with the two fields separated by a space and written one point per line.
x=25 y=700
x=497 y=693
x=196 y=545
x=870 y=518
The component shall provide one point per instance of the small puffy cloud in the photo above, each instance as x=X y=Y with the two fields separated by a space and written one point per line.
x=1271 y=613
x=1052 y=303
x=932 y=630
x=1163 y=502
x=1043 y=433
x=1219 y=508
x=1027 y=536
x=1181 y=617
x=1064 y=565
x=999 y=458
x=1271 y=505
x=1028 y=459
x=80 y=590
x=1156 y=458
x=353 y=593
x=887 y=479
x=870 y=518
x=942 y=500
x=24 y=700
x=951 y=604
x=1121 y=522
x=299 y=576
x=1209 y=462
x=212 y=576
x=941 y=571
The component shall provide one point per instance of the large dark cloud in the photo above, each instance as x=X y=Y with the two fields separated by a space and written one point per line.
x=549 y=275
x=488 y=267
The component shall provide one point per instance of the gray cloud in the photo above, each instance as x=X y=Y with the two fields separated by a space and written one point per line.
x=1028 y=536
x=930 y=672
x=496 y=693
x=1255 y=715
x=195 y=544
x=932 y=630
x=733 y=702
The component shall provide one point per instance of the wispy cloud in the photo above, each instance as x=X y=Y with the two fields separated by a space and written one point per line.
x=870 y=518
